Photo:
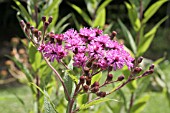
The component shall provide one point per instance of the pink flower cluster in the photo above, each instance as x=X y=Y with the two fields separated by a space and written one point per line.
x=89 y=45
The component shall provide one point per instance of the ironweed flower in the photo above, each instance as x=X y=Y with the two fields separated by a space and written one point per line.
x=88 y=43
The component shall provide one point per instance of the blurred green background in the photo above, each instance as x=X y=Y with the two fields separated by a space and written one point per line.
x=11 y=89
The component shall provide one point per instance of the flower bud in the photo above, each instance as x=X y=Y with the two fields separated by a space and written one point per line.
x=148 y=72
x=35 y=32
x=95 y=84
x=50 y=19
x=28 y=25
x=137 y=70
x=86 y=71
x=46 y=25
x=43 y=18
x=151 y=67
x=114 y=33
x=101 y=94
x=88 y=81
x=82 y=79
x=85 y=88
x=140 y=60
x=120 y=78
x=109 y=77
x=95 y=89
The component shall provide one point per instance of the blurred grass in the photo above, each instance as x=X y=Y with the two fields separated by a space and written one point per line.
x=9 y=102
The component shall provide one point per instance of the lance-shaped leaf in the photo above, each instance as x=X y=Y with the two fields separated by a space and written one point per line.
x=22 y=11
x=96 y=77
x=100 y=19
x=152 y=10
x=140 y=104
x=82 y=13
x=87 y=105
x=48 y=106
x=148 y=37
x=128 y=35
x=133 y=16
x=103 y=5
x=68 y=83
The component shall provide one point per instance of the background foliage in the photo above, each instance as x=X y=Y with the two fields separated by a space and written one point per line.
x=122 y=16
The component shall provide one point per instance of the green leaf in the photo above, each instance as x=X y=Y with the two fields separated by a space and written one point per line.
x=148 y=37
x=140 y=104
x=96 y=77
x=68 y=83
x=102 y=6
x=133 y=16
x=87 y=105
x=62 y=28
x=23 y=11
x=82 y=13
x=128 y=35
x=100 y=19
x=62 y=21
x=34 y=57
x=48 y=107
x=108 y=29
x=153 y=9
x=77 y=24
x=74 y=78
x=47 y=100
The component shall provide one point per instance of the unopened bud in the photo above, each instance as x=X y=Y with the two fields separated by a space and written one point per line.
x=101 y=94
x=46 y=24
x=95 y=84
x=28 y=25
x=86 y=71
x=151 y=67
x=43 y=18
x=140 y=60
x=95 y=89
x=35 y=31
x=148 y=72
x=109 y=77
x=85 y=88
x=82 y=79
x=120 y=78
x=50 y=19
x=88 y=80
x=137 y=70
x=114 y=33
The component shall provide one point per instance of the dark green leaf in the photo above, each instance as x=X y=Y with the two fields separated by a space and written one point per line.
x=68 y=83
x=82 y=13
x=128 y=35
x=78 y=25
x=62 y=21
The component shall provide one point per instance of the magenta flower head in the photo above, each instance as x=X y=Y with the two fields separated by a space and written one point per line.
x=89 y=43
x=53 y=51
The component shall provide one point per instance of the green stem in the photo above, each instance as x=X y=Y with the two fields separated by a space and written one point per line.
x=58 y=76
